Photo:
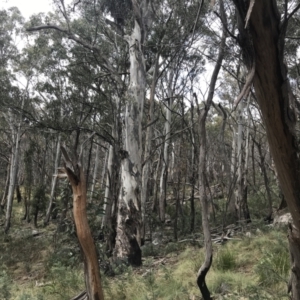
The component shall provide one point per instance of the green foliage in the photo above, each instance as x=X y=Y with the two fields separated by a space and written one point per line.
x=274 y=265
x=64 y=282
x=150 y=250
x=225 y=260
x=5 y=286
x=65 y=256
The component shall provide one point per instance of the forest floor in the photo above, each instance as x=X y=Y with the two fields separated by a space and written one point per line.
x=43 y=264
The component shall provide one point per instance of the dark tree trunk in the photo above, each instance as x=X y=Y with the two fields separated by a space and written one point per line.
x=202 y=166
x=4 y=197
x=263 y=47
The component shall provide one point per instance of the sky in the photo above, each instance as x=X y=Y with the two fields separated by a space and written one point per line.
x=28 y=7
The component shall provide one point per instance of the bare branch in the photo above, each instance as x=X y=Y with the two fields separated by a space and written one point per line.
x=246 y=89
x=293 y=12
x=249 y=12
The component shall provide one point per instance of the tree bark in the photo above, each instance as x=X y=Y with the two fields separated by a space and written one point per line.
x=266 y=179
x=202 y=167
x=4 y=197
x=194 y=164
x=266 y=34
x=16 y=133
x=129 y=218
x=91 y=266
x=54 y=181
x=94 y=174
x=242 y=155
x=148 y=141
x=165 y=159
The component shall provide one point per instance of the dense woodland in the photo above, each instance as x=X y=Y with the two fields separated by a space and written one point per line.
x=121 y=119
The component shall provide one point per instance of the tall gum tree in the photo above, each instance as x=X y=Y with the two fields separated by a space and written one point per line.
x=129 y=217
x=262 y=37
x=129 y=212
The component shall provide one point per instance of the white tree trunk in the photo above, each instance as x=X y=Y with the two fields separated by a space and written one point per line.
x=54 y=180
x=239 y=190
x=107 y=194
x=165 y=160
x=129 y=219
x=104 y=167
x=94 y=174
x=149 y=134
x=16 y=136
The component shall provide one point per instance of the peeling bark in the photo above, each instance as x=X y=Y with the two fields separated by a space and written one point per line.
x=77 y=178
x=129 y=218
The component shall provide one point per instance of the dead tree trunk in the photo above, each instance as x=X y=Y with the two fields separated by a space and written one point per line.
x=77 y=179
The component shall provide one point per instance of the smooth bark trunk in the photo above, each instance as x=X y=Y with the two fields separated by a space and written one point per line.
x=202 y=167
x=165 y=159
x=148 y=141
x=94 y=175
x=54 y=181
x=16 y=133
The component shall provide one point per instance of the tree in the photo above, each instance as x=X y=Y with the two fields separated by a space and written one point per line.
x=76 y=176
x=262 y=34
x=202 y=163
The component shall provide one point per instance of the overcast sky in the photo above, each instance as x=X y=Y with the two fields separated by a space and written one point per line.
x=28 y=7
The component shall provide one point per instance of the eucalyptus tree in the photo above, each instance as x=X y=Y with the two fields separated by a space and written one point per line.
x=12 y=96
x=263 y=27
x=129 y=197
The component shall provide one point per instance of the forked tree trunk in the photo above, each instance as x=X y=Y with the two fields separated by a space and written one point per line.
x=264 y=48
x=91 y=266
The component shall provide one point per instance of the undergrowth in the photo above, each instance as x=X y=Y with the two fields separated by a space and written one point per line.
x=50 y=267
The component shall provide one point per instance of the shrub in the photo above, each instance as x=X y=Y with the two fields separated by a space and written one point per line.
x=225 y=260
x=274 y=266
x=5 y=283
